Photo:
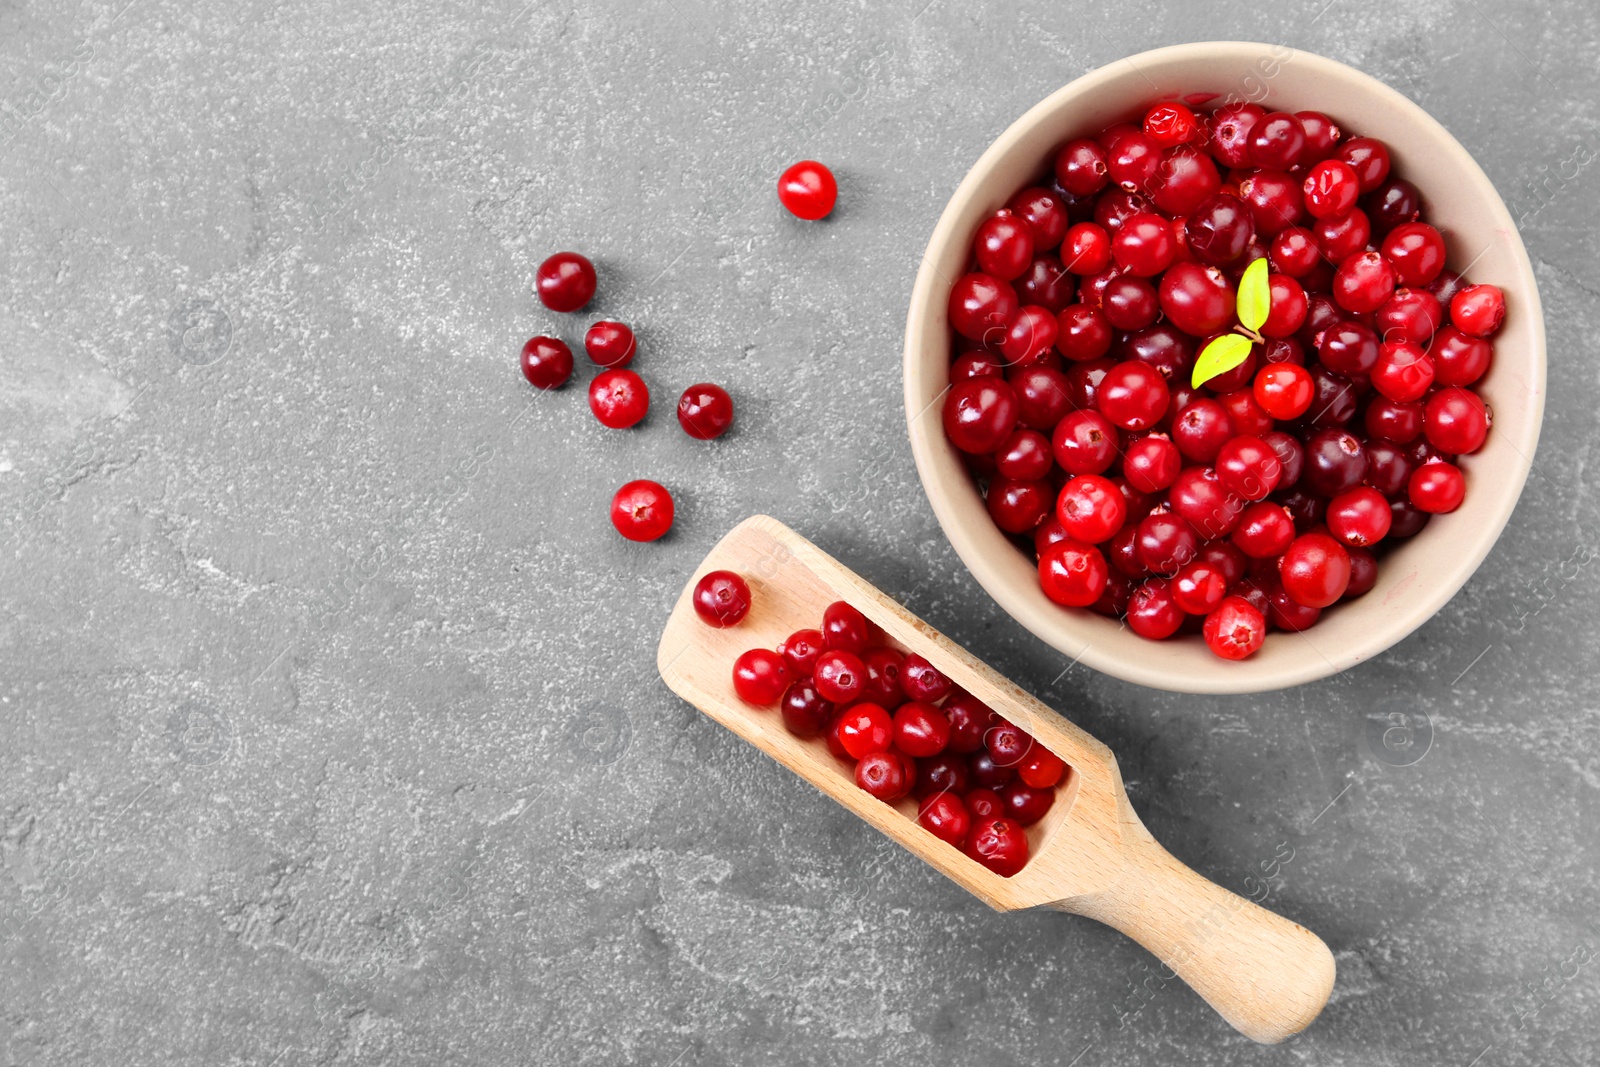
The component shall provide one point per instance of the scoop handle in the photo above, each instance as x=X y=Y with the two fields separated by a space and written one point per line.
x=1267 y=976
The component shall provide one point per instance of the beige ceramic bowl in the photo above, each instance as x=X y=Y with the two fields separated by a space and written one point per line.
x=1415 y=580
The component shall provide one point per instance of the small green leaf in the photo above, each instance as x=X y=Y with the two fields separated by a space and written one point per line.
x=1255 y=295
x=1220 y=357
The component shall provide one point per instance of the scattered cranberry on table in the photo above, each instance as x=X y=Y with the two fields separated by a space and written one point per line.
x=642 y=510
x=705 y=411
x=610 y=344
x=546 y=362
x=904 y=728
x=565 y=282
x=619 y=398
x=1191 y=444
x=808 y=190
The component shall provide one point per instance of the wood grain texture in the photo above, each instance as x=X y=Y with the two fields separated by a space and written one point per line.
x=1091 y=855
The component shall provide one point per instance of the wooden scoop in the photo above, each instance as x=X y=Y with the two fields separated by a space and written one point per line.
x=1091 y=855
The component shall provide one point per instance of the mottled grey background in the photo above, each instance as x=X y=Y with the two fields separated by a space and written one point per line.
x=329 y=726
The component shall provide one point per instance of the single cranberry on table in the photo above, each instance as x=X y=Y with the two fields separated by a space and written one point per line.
x=642 y=510
x=565 y=282
x=619 y=398
x=885 y=775
x=760 y=677
x=546 y=362
x=705 y=411
x=808 y=190
x=944 y=816
x=610 y=344
x=721 y=598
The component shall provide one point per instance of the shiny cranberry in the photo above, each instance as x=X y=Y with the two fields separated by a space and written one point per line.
x=1287 y=308
x=1219 y=230
x=1170 y=124
x=705 y=411
x=1264 y=530
x=1082 y=333
x=944 y=773
x=618 y=398
x=1151 y=463
x=987 y=772
x=1144 y=245
x=1478 y=310
x=1305 y=507
x=1363 y=573
x=1314 y=570
x=1349 y=348
x=844 y=627
x=1183 y=180
x=920 y=730
x=1287 y=613
x=1446 y=286
x=1231 y=127
x=969 y=720
x=1044 y=213
x=883 y=676
x=983 y=803
x=1199 y=300
x=1330 y=189
x=1000 y=844
x=1024 y=456
x=1166 y=542
x=1409 y=315
x=1388 y=467
x=885 y=775
x=1132 y=161
x=1416 y=251
x=1044 y=396
x=642 y=510
x=979 y=364
x=1359 y=516
x=1335 y=461
x=565 y=282
x=808 y=190
x=1083 y=381
x=1335 y=402
x=1163 y=346
x=1199 y=496
x=1018 y=507
x=863 y=728
x=1030 y=335
x=1393 y=203
x=1291 y=453
x=1457 y=358
x=1284 y=390
x=546 y=362
x=1456 y=421
x=1004 y=245
x=1046 y=284
x=1133 y=396
x=800 y=651
x=1393 y=420
x=1130 y=303
x=1249 y=467
x=1090 y=508
x=1086 y=249
x=1235 y=629
x=1253 y=593
x=1277 y=141
x=805 y=712
x=1274 y=199
x=1408 y=519
x=1340 y=238
x=1152 y=612
x=944 y=816
x=1321 y=314
x=1081 y=167
x=1198 y=587
x=922 y=681
x=841 y=677
x=979 y=414
x=1085 y=442
x=1363 y=282
x=981 y=304
x=1437 y=487
x=1200 y=430
x=610 y=344
x=721 y=599
x=1041 y=769
x=1322 y=136
x=760 y=676
x=1403 y=372
x=1369 y=158
x=1116 y=207
x=1026 y=804
x=1008 y=743
x=1072 y=574
x=1294 y=252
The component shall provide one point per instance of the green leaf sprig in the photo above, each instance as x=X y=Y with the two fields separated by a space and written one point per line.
x=1232 y=349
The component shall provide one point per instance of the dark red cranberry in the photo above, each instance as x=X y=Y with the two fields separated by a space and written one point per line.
x=1219 y=230
x=883 y=676
x=760 y=677
x=920 y=730
x=885 y=775
x=1394 y=202
x=721 y=599
x=979 y=364
x=1116 y=207
x=983 y=803
x=1184 y=178
x=1445 y=287
x=705 y=411
x=1264 y=530
x=922 y=681
x=1322 y=136
x=1082 y=333
x=1166 y=542
x=979 y=414
x=1004 y=245
x=1200 y=430
x=1144 y=245
x=610 y=344
x=1388 y=467
x=1291 y=453
x=1018 y=507
x=1277 y=141
x=1026 y=804
x=1287 y=613
x=1046 y=284
x=986 y=772
x=805 y=712
x=1200 y=497
x=1044 y=395
x=1129 y=303
x=944 y=773
x=1305 y=507
x=1294 y=252
x=808 y=190
x=1335 y=402
x=800 y=651
x=1025 y=456
x=944 y=816
x=1132 y=161
x=970 y=720
x=1340 y=238
x=1393 y=420
x=1457 y=358
x=1081 y=167
x=844 y=627
x=1407 y=520
x=1085 y=442
x=1152 y=613
x=1274 y=199
x=1348 y=348
x=1030 y=336
x=1314 y=570
x=1163 y=346
x=1363 y=573
x=1199 y=300
x=1045 y=215
x=1369 y=158
x=565 y=282
x=642 y=510
x=1049 y=532
x=546 y=362
x=1008 y=743
x=999 y=844
x=981 y=306
x=1416 y=251
x=1335 y=461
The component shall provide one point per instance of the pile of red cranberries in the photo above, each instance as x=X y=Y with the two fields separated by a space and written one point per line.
x=642 y=510
x=979 y=780
x=1259 y=497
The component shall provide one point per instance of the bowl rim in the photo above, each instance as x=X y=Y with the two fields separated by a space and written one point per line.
x=926 y=310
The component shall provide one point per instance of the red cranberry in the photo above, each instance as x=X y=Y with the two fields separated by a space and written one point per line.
x=922 y=681
x=642 y=510
x=1287 y=613
x=1151 y=463
x=1287 y=307
x=844 y=627
x=1198 y=587
x=760 y=677
x=1081 y=167
x=1359 y=516
x=840 y=677
x=1082 y=333
x=1090 y=508
x=983 y=803
x=1163 y=346
x=999 y=844
x=1456 y=421
x=1084 y=442
x=1046 y=284
x=808 y=190
x=1130 y=303
x=1133 y=396
x=1199 y=300
x=1315 y=570
x=1369 y=158
x=864 y=728
x=1284 y=390
x=721 y=598
x=988 y=773
x=1152 y=613
x=1393 y=420
x=1394 y=202
x=1335 y=402
x=1231 y=127
x=1045 y=215
x=565 y=282
x=1018 y=507
x=1072 y=574
x=1264 y=530
x=1235 y=629
x=1403 y=372
x=546 y=362
x=885 y=775
x=1408 y=519
x=1416 y=251
x=1042 y=769
x=1457 y=358
x=979 y=304
x=979 y=414
x=970 y=720
x=979 y=364
x=1437 y=487
x=1249 y=467
x=944 y=816
x=883 y=676
x=1228 y=560
x=1086 y=249
x=1363 y=573
x=1363 y=282
x=1276 y=142
x=805 y=712
x=1340 y=238
x=1349 y=348
x=1294 y=252
x=1274 y=199
x=1183 y=180
x=1201 y=498
x=1026 y=804
x=800 y=651
x=705 y=411
x=920 y=730
x=1388 y=467
x=1335 y=461
x=1445 y=287
x=1478 y=310
x=1030 y=336
x=618 y=398
x=1144 y=245
x=1132 y=160
x=1170 y=124
x=1219 y=230
x=610 y=344
x=1166 y=542
x=1409 y=315
x=1200 y=430
x=1330 y=189
x=1008 y=743
x=1004 y=245
x=944 y=773
x=1026 y=455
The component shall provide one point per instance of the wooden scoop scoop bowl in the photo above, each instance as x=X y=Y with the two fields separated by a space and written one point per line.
x=1091 y=855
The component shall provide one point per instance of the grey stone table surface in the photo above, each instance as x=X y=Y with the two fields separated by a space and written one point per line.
x=329 y=724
